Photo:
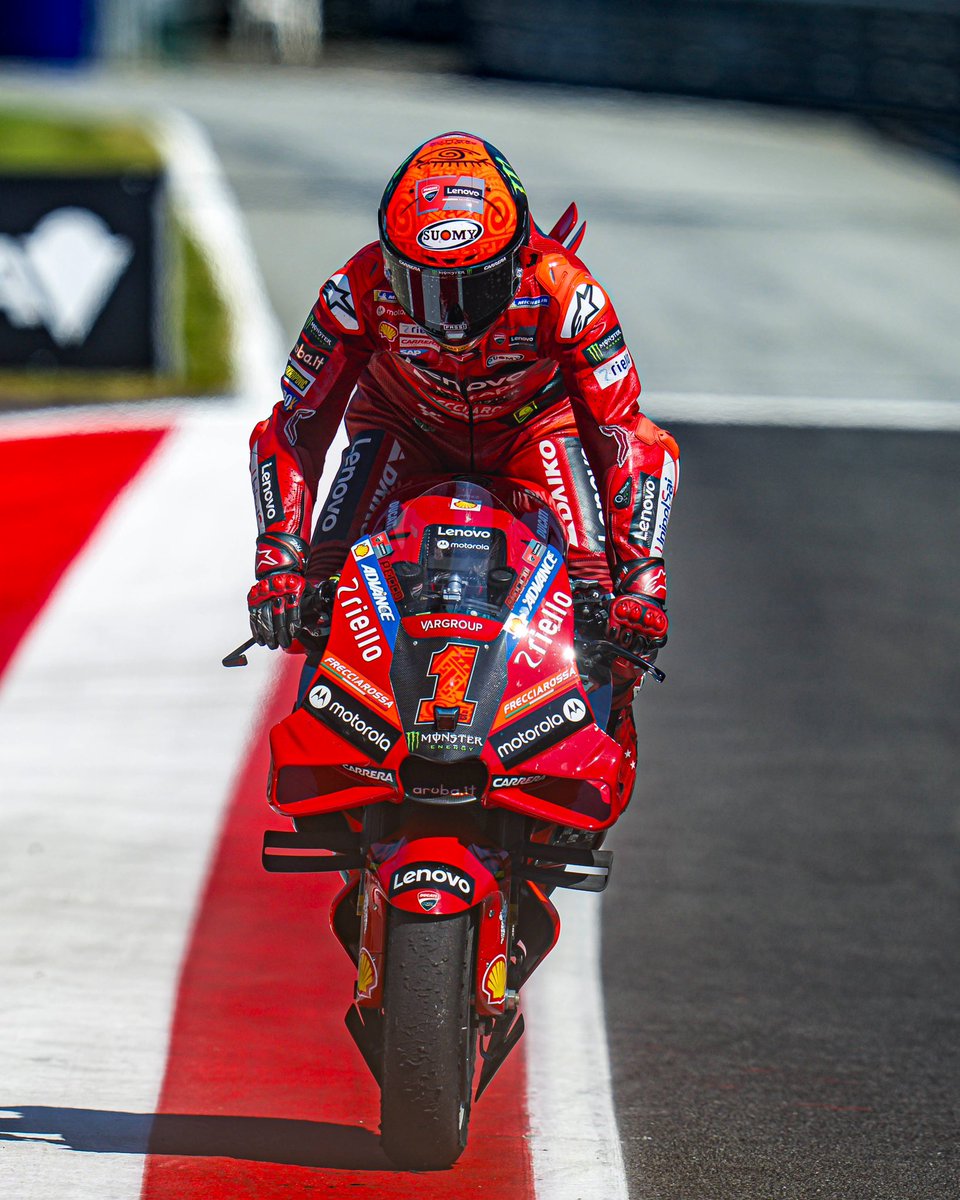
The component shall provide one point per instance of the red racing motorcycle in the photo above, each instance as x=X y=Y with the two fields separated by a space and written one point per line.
x=448 y=756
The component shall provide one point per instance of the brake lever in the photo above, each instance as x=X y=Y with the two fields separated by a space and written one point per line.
x=238 y=657
x=311 y=607
x=612 y=650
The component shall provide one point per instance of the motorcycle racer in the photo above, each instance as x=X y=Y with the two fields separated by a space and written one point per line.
x=465 y=341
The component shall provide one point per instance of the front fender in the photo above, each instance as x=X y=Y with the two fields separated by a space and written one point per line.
x=439 y=875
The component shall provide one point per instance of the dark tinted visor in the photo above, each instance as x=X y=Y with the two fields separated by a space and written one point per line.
x=454 y=306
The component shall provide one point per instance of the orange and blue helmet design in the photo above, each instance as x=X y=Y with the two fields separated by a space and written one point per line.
x=453 y=222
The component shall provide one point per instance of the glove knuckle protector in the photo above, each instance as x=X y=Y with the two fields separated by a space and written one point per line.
x=274 y=600
x=638 y=611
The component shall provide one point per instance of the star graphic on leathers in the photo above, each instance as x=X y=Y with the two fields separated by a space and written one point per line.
x=586 y=310
x=339 y=297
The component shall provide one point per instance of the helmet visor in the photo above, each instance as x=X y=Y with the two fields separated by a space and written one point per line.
x=454 y=306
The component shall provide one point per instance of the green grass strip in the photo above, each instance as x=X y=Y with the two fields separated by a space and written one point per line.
x=42 y=142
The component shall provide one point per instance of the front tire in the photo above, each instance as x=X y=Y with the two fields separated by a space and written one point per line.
x=429 y=1039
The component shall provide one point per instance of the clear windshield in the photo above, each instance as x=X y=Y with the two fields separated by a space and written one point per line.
x=450 y=552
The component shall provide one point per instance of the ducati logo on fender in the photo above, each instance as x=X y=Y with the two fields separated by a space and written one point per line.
x=432 y=875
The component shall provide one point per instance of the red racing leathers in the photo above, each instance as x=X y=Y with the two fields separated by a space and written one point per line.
x=548 y=397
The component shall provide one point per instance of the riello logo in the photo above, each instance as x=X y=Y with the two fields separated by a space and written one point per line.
x=449 y=234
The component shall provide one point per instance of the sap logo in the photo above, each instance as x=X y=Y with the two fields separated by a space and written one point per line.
x=61 y=275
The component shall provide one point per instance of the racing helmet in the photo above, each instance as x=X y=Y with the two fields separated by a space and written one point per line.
x=454 y=220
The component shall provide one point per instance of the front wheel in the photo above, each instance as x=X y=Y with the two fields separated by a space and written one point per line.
x=429 y=1039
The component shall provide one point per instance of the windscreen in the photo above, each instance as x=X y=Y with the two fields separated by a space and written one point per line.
x=450 y=553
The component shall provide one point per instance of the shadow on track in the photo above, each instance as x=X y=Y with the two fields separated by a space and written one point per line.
x=255 y=1139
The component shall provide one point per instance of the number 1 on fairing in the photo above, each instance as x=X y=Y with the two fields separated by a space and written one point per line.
x=452 y=667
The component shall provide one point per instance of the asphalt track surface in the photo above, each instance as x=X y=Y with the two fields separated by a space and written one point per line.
x=780 y=938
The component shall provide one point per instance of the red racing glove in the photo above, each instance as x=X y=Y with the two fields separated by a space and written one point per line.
x=638 y=623
x=638 y=613
x=637 y=620
x=274 y=600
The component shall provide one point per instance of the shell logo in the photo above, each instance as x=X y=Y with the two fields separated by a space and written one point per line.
x=388 y=331
x=366 y=975
x=495 y=980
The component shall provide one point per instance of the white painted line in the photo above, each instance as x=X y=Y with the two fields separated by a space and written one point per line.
x=574 y=1141
x=707 y=408
x=121 y=737
x=204 y=200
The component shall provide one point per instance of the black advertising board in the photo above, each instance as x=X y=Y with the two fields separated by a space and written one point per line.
x=79 y=271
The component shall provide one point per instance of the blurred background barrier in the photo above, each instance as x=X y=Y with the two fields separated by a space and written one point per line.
x=889 y=56
x=895 y=61
x=893 y=57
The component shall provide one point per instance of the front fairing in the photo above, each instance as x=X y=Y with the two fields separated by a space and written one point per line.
x=450 y=676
